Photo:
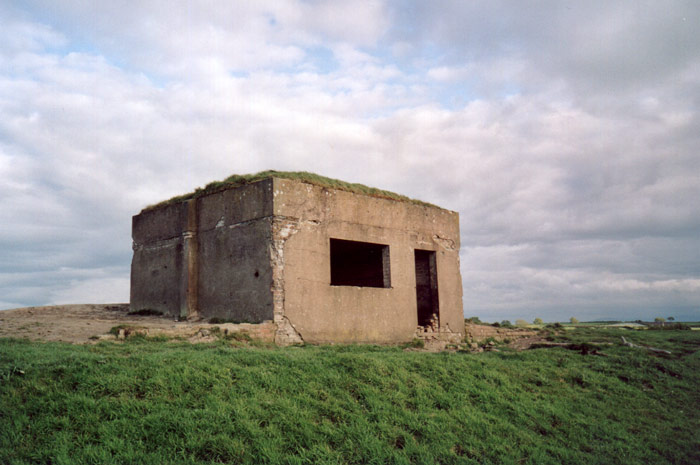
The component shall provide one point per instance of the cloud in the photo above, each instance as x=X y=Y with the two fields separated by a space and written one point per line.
x=590 y=48
x=204 y=39
x=95 y=285
x=561 y=208
x=565 y=135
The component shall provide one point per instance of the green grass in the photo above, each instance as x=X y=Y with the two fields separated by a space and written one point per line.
x=152 y=402
x=238 y=180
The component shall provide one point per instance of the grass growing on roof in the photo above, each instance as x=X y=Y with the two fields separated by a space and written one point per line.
x=238 y=180
x=157 y=402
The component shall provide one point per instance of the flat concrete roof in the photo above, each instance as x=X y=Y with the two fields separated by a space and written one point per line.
x=236 y=180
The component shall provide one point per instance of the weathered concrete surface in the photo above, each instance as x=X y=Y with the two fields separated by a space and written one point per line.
x=236 y=273
x=157 y=265
x=262 y=252
x=234 y=263
x=324 y=313
x=222 y=237
x=236 y=206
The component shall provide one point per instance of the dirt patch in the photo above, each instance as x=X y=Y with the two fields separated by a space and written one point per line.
x=527 y=342
x=89 y=323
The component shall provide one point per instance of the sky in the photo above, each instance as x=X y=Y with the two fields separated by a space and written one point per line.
x=565 y=133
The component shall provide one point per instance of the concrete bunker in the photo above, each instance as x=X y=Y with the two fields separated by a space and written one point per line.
x=324 y=260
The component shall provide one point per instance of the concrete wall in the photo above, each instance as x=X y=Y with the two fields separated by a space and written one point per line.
x=324 y=313
x=210 y=254
x=158 y=260
x=234 y=234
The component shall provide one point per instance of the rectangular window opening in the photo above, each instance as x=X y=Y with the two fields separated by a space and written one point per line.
x=362 y=264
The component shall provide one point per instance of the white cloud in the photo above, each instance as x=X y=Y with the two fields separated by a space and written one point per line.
x=92 y=291
x=19 y=36
x=576 y=190
x=359 y=22
x=204 y=39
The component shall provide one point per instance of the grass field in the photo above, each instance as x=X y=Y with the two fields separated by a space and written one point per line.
x=155 y=402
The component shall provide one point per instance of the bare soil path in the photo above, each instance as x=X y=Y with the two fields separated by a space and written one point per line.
x=80 y=324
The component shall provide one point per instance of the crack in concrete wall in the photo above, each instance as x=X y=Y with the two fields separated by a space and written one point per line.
x=157 y=245
x=445 y=243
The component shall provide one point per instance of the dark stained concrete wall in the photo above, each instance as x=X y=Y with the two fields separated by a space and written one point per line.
x=210 y=253
x=161 y=267
x=234 y=256
x=157 y=267
x=162 y=224
x=235 y=272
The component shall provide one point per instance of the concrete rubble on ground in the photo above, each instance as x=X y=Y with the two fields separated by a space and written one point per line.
x=200 y=332
x=478 y=333
x=437 y=337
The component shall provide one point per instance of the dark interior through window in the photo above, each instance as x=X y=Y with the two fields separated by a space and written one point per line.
x=359 y=264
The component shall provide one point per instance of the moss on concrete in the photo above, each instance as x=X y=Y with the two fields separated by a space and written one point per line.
x=238 y=180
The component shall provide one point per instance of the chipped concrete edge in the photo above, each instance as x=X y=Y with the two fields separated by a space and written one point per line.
x=282 y=229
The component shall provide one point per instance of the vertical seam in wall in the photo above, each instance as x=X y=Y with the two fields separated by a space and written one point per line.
x=191 y=240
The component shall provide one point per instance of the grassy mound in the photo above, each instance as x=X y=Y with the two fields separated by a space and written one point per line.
x=161 y=402
x=238 y=180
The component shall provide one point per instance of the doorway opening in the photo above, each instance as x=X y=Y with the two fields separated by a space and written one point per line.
x=426 y=288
